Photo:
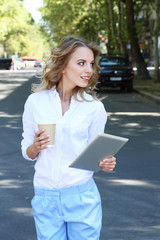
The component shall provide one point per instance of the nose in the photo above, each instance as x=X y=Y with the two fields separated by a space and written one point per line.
x=88 y=68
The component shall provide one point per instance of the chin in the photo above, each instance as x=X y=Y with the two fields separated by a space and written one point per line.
x=83 y=85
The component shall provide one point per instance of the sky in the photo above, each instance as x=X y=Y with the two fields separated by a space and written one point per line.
x=32 y=6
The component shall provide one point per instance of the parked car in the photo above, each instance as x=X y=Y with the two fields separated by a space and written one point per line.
x=115 y=72
x=37 y=64
x=5 y=63
x=17 y=64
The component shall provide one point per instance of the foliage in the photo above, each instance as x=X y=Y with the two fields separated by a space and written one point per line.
x=108 y=22
x=88 y=19
x=74 y=17
x=102 y=21
x=19 y=33
x=10 y=15
x=91 y=18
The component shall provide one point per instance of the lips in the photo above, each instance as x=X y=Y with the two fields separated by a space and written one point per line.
x=85 y=78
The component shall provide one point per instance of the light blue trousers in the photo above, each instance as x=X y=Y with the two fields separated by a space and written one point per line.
x=72 y=213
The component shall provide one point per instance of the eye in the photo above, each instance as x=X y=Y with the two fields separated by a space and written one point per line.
x=92 y=64
x=81 y=63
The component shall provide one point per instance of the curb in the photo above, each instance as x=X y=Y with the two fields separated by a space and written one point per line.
x=153 y=98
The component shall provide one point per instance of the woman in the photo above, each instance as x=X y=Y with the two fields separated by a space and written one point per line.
x=66 y=204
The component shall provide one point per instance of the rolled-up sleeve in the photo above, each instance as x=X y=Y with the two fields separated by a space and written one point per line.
x=28 y=128
x=99 y=121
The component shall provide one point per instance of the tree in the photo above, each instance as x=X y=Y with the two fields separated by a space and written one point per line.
x=19 y=33
x=33 y=44
x=74 y=17
x=122 y=32
x=13 y=22
x=112 y=26
x=116 y=27
x=156 y=7
x=116 y=23
x=136 y=54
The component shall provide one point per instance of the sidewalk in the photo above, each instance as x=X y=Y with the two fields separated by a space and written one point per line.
x=152 y=97
x=148 y=88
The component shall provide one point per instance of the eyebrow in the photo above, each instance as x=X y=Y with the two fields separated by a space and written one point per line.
x=85 y=60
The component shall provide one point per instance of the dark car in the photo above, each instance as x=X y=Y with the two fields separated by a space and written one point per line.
x=115 y=72
x=5 y=63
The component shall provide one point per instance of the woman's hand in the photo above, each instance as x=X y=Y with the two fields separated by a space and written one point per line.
x=40 y=141
x=108 y=164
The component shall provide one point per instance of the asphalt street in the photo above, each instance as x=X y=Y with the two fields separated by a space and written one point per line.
x=130 y=195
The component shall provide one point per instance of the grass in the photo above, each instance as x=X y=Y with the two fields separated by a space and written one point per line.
x=149 y=86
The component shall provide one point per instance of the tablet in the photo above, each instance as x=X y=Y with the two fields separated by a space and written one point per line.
x=102 y=146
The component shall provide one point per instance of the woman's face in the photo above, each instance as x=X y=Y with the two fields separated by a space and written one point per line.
x=79 y=68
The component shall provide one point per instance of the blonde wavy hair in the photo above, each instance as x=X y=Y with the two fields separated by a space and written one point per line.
x=52 y=72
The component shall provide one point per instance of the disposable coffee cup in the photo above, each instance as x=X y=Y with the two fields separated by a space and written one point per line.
x=50 y=130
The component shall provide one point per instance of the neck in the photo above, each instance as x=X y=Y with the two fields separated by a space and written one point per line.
x=64 y=91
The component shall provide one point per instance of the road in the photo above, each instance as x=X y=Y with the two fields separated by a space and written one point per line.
x=130 y=195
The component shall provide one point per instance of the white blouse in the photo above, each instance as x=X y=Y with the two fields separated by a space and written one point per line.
x=74 y=130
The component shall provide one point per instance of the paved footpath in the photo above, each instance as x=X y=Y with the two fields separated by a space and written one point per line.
x=130 y=195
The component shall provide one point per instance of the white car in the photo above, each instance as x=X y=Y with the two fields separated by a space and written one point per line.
x=18 y=64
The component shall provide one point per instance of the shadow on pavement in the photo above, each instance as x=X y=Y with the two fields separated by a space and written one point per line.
x=16 y=174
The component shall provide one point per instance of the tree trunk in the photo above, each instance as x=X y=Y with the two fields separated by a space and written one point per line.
x=113 y=26
x=120 y=22
x=155 y=42
x=109 y=48
x=4 y=47
x=137 y=56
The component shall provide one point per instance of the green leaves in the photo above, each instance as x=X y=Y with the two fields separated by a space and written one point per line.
x=76 y=17
x=18 y=32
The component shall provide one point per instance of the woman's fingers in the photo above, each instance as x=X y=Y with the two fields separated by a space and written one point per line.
x=108 y=164
x=41 y=140
x=39 y=132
